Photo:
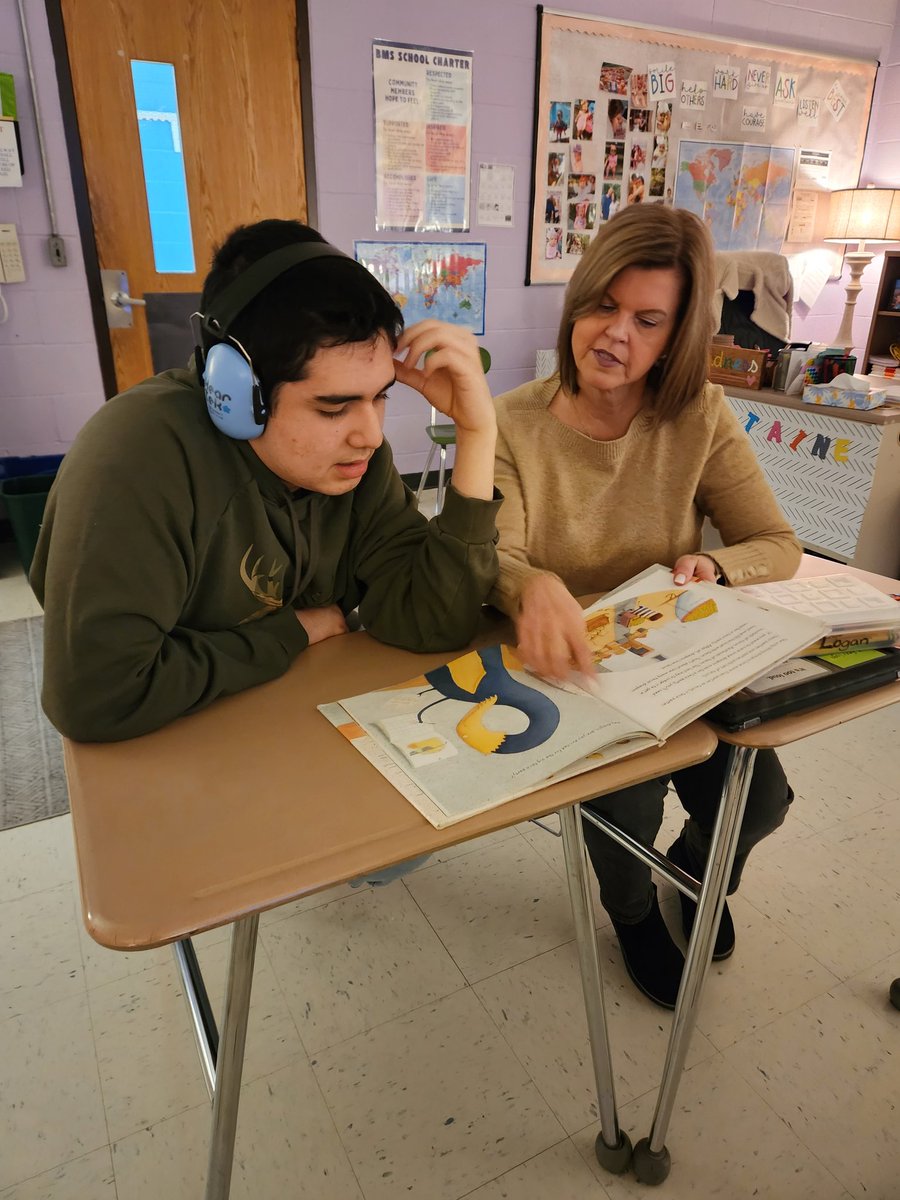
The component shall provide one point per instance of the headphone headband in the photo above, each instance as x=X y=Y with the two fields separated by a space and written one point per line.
x=247 y=286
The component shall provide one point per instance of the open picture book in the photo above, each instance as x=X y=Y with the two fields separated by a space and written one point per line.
x=482 y=730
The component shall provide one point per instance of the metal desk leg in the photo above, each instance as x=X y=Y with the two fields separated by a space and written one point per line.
x=651 y=1158
x=613 y=1147
x=230 y=1060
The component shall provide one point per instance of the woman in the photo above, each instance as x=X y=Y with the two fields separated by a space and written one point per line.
x=608 y=467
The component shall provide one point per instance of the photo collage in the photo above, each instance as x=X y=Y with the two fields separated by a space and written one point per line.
x=605 y=151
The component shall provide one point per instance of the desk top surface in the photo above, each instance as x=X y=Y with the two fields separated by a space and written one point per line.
x=887 y=414
x=258 y=800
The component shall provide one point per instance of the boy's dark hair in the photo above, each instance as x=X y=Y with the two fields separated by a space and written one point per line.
x=324 y=302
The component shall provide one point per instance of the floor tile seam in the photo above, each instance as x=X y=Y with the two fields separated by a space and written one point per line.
x=431 y=926
x=101 y=1090
x=785 y=1120
x=528 y=1075
x=310 y=1051
x=16 y=1183
x=521 y=962
x=506 y=1170
x=757 y=1029
x=315 y=1055
x=282 y=993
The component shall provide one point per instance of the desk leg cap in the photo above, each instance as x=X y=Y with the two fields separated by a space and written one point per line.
x=649 y=1167
x=615 y=1159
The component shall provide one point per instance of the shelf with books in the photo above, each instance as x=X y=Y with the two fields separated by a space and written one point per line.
x=884 y=330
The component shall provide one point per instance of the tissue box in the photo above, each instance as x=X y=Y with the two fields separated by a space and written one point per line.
x=843 y=397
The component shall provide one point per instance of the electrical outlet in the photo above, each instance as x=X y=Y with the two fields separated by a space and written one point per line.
x=57 y=249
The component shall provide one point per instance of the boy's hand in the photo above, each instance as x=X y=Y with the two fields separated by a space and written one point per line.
x=450 y=376
x=321 y=623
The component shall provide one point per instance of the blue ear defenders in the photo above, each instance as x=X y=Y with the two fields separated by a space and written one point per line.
x=234 y=399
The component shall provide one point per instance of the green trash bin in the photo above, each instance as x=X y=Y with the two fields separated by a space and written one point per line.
x=25 y=497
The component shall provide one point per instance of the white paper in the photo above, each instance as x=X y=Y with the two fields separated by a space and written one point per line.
x=423 y=128
x=803 y=216
x=726 y=82
x=836 y=100
x=785 y=95
x=496 y=184
x=813 y=167
x=757 y=79
x=10 y=171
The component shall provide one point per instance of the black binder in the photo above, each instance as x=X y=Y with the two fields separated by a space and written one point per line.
x=801 y=683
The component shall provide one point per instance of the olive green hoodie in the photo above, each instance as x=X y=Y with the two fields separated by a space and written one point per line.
x=171 y=560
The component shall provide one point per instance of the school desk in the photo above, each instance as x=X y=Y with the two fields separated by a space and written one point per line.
x=257 y=801
x=650 y=1157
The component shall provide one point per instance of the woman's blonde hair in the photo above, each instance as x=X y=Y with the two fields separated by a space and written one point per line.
x=650 y=236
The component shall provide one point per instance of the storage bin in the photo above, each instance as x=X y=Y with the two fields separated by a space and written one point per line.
x=25 y=497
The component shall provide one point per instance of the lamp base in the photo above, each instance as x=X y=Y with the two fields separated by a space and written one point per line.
x=857 y=262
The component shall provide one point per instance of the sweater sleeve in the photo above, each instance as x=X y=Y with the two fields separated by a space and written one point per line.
x=424 y=582
x=515 y=568
x=113 y=567
x=759 y=544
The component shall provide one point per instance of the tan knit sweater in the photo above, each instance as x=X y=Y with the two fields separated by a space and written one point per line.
x=596 y=513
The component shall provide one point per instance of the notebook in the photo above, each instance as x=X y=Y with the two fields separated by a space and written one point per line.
x=801 y=683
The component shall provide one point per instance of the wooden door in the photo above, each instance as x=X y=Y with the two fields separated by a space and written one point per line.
x=238 y=85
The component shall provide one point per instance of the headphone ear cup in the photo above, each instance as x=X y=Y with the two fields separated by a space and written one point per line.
x=232 y=393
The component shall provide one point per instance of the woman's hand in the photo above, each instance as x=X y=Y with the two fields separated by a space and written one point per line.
x=451 y=376
x=693 y=567
x=550 y=630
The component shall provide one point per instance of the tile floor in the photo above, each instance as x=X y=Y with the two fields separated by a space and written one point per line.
x=426 y=1040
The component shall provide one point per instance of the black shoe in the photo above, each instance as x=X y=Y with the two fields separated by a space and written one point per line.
x=652 y=959
x=723 y=946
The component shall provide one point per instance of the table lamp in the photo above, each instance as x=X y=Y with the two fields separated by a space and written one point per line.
x=861 y=215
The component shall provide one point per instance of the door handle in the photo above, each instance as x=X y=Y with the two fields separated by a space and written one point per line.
x=117 y=300
x=123 y=300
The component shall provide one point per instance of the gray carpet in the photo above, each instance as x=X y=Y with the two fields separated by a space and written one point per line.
x=32 y=780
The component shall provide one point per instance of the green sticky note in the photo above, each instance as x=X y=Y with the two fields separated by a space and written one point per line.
x=8 y=96
x=850 y=658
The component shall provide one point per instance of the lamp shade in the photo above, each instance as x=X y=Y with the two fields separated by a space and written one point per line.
x=864 y=215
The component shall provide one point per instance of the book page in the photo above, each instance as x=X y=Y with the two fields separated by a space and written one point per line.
x=665 y=654
x=481 y=730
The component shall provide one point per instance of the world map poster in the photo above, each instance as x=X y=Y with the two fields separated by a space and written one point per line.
x=441 y=280
x=741 y=191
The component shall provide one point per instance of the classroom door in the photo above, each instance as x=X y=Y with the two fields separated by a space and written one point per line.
x=234 y=136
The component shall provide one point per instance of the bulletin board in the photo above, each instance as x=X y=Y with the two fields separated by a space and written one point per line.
x=746 y=136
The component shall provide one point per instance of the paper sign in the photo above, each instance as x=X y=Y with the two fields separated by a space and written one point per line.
x=808 y=109
x=10 y=168
x=662 y=80
x=785 y=90
x=812 y=167
x=693 y=94
x=725 y=82
x=495 y=194
x=803 y=217
x=836 y=101
x=758 y=79
x=753 y=118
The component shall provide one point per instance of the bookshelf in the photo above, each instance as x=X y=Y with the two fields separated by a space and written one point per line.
x=885 y=327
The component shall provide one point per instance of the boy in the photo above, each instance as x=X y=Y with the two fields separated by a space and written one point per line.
x=186 y=556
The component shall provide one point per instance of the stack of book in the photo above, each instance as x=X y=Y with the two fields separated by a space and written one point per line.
x=859 y=616
x=855 y=655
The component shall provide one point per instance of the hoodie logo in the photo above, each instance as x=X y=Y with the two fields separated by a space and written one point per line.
x=265 y=586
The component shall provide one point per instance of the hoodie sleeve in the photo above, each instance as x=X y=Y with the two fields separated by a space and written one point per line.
x=113 y=567
x=423 y=582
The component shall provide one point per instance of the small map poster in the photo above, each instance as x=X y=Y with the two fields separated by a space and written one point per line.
x=741 y=191
x=441 y=280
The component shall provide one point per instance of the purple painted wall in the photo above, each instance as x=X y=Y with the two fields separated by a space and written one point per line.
x=49 y=375
x=49 y=372
x=520 y=320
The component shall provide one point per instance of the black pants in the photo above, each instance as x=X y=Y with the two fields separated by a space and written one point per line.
x=625 y=886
